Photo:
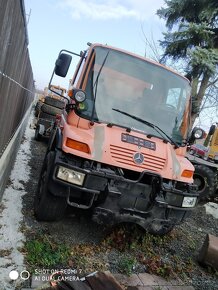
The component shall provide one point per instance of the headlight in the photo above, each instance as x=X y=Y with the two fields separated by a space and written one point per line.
x=189 y=201
x=80 y=96
x=70 y=175
x=198 y=133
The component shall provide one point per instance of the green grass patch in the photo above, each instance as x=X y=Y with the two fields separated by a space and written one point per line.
x=127 y=264
x=133 y=248
x=43 y=252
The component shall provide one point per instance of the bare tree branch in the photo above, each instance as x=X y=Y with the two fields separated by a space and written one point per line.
x=213 y=83
x=152 y=45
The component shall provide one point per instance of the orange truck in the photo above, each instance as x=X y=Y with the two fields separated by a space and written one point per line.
x=118 y=150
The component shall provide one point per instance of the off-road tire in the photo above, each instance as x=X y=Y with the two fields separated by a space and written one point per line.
x=48 y=207
x=54 y=102
x=51 y=110
x=46 y=116
x=38 y=137
x=160 y=230
x=37 y=108
x=205 y=179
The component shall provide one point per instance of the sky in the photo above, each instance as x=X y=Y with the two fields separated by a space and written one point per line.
x=69 y=24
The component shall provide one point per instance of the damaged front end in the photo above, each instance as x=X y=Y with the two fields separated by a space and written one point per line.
x=120 y=195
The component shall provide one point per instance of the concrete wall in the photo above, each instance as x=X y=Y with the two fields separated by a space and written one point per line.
x=16 y=82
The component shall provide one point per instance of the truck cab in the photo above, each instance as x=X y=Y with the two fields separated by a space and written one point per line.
x=119 y=148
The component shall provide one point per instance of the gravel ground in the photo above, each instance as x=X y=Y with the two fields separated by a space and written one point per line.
x=184 y=242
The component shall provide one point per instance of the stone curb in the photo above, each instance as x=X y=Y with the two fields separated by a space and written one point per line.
x=145 y=281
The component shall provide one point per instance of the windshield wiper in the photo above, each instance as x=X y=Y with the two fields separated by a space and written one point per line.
x=110 y=125
x=148 y=124
x=96 y=85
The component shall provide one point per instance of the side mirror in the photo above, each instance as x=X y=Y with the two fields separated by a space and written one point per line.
x=197 y=133
x=62 y=64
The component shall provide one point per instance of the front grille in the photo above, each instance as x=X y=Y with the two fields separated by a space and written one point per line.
x=125 y=156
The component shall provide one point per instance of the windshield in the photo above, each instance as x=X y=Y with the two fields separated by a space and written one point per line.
x=145 y=90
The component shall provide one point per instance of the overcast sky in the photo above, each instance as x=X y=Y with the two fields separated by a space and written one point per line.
x=69 y=24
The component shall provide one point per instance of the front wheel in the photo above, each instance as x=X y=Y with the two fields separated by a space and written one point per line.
x=38 y=136
x=48 y=207
x=159 y=228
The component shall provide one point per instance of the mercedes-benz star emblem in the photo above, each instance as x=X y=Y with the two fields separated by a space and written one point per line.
x=138 y=158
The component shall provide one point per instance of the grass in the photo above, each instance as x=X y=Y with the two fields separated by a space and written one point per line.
x=133 y=248
x=138 y=248
x=86 y=258
x=135 y=239
x=43 y=252
x=126 y=265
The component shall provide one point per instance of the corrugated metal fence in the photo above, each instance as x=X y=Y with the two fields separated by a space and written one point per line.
x=16 y=77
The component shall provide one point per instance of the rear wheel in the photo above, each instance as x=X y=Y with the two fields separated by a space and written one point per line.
x=46 y=116
x=51 y=110
x=54 y=102
x=48 y=207
x=37 y=108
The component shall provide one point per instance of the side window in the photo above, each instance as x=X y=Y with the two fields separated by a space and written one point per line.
x=78 y=74
x=173 y=97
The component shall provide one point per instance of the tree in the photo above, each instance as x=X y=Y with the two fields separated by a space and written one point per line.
x=193 y=38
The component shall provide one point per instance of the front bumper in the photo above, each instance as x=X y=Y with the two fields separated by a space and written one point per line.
x=102 y=186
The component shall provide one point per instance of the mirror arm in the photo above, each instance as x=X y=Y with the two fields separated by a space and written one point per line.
x=70 y=52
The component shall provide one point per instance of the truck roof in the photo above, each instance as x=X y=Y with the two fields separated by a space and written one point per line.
x=138 y=56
